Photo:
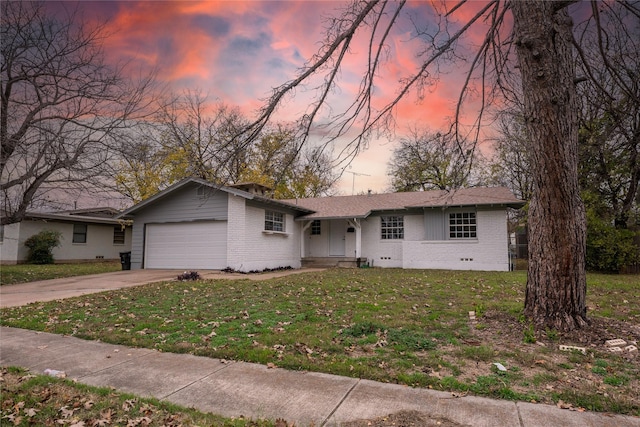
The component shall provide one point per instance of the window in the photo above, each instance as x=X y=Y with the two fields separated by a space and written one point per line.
x=79 y=233
x=118 y=235
x=462 y=225
x=1 y=233
x=273 y=221
x=392 y=227
x=316 y=230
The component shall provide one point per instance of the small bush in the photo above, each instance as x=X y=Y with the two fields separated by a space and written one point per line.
x=41 y=246
x=189 y=275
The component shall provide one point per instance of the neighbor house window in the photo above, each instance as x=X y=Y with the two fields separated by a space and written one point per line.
x=1 y=233
x=79 y=233
x=273 y=221
x=118 y=235
x=392 y=227
x=462 y=225
x=316 y=230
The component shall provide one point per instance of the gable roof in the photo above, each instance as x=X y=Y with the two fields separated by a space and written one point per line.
x=187 y=181
x=362 y=206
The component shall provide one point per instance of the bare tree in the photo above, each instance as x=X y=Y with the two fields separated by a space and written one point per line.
x=193 y=136
x=541 y=42
x=62 y=105
x=609 y=113
x=510 y=164
x=427 y=160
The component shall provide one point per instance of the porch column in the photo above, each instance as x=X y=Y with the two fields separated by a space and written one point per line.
x=356 y=224
x=305 y=227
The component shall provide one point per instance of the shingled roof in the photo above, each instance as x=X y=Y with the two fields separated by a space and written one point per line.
x=362 y=206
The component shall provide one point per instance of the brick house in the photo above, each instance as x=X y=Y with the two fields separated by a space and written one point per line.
x=197 y=225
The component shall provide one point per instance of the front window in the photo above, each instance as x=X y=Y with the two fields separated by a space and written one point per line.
x=392 y=227
x=316 y=229
x=273 y=221
x=118 y=235
x=462 y=225
x=79 y=233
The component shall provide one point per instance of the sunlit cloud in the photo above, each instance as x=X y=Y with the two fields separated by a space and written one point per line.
x=238 y=51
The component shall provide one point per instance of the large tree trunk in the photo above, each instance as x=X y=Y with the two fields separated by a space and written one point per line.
x=556 y=283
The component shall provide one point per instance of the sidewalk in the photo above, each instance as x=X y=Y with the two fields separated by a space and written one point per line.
x=232 y=389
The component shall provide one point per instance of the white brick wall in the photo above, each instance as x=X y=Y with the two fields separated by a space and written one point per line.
x=255 y=250
x=489 y=252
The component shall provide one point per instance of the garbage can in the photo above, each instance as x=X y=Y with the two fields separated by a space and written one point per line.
x=125 y=260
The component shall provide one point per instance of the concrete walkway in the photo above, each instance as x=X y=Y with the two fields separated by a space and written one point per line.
x=236 y=388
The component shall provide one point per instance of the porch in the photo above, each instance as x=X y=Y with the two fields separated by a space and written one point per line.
x=333 y=262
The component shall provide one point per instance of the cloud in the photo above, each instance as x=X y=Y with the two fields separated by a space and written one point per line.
x=238 y=51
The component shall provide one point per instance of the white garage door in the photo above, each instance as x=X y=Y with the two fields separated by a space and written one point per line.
x=186 y=245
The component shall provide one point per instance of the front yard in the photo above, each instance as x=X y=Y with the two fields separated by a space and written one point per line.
x=403 y=326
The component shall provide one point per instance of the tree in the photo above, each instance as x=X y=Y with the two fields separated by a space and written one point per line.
x=541 y=41
x=609 y=113
x=195 y=137
x=510 y=166
x=62 y=105
x=427 y=160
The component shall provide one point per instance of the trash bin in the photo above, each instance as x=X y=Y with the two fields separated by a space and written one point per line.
x=125 y=260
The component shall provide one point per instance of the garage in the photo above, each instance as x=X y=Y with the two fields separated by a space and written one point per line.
x=186 y=245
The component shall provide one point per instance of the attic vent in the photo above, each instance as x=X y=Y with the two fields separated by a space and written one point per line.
x=200 y=191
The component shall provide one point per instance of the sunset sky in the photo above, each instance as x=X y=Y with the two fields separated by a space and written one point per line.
x=236 y=51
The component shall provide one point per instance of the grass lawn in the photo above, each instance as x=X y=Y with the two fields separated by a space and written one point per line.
x=402 y=326
x=21 y=273
x=29 y=400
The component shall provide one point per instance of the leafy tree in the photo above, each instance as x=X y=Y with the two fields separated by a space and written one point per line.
x=426 y=160
x=541 y=43
x=63 y=106
x=41 y=246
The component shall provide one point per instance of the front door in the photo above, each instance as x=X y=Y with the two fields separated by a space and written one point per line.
x=337 y=238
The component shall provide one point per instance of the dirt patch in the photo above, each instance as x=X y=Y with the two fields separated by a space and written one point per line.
x=405 y=419
x=507 y=332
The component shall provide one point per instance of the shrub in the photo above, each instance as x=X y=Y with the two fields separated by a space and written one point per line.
x=609 y=248
x=40 y=246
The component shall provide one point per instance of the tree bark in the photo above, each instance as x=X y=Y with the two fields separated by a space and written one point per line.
x=556 y=282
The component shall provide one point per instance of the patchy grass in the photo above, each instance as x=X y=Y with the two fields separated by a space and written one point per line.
x=22 y=273
x=401 y=326
x=29 y=400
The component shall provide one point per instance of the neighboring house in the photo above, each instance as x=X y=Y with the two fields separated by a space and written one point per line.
x=87 y=235
x=198 y=225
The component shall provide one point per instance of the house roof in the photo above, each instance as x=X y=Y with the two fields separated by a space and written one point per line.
x=362 y=206
x=69 y=217
x=187 y=181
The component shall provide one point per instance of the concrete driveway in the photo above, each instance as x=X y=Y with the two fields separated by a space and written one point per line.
x=50 y=290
